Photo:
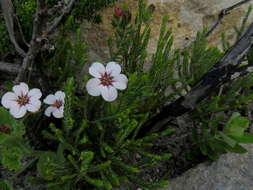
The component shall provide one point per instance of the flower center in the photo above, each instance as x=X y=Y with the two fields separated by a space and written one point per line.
x=23 y=100
x=106 y=79
x=57 y=103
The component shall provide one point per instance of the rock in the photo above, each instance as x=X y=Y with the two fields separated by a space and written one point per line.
x=186 y=17
x=230 y=172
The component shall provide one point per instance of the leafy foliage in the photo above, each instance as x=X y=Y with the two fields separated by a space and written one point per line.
x=214 y=141
x=95 y=146
x=25 y=11
x=87 y=9
x=69 y=56
x=4 y=185
x=213 y=136
x=13 y=147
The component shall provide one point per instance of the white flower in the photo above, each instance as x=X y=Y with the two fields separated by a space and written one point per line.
x=22 y=100
x=107 y=80
x=56 y=103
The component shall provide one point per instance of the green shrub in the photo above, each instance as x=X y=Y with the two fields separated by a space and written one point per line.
x=95 y=145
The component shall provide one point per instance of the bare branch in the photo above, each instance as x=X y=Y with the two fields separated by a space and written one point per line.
x=59 y=19
x=221 y=16
x=13 y=26
x=40 y=32
x=223 y=13
x=222 y=72
x=10 y=68
x=39 y=23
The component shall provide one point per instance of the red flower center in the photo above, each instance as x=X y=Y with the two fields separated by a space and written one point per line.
x=106 y=79
x=23 y=100
x=57 y=103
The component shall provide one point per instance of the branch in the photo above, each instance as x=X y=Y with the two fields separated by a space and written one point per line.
x=41 y=30
x=221 y=16
x=13 y=27
x=36 y=42
x=59 y=19
x=218 y=75
x=10 y=68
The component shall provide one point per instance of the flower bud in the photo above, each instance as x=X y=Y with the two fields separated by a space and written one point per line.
x=118 y=12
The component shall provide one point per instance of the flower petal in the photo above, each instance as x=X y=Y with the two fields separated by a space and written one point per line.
x=50 y=99
x=92 y=87
x=49 y=110
x=97 y=69
x=18 y=111
x=8 y=99
x=21 y=89
x=60 y=95
x=120 y=82
x=34 y=93
x=58 y=113
x=113 y=68
x=109 y=93
x=33 y=106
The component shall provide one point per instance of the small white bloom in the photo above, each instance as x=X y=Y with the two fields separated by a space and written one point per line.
x=22 y=100
x=107 y=80
x=56 y=103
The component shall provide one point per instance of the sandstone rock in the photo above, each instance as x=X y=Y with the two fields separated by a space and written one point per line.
x=186 y=17
x=230 y=172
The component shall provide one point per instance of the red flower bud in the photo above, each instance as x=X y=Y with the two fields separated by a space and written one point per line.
x=118 y=12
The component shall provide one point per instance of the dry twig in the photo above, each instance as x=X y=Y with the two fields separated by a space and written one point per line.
x=41 y=30
x=13 y=27
x=221 y=16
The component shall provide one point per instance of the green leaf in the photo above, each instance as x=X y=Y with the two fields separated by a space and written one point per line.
x=17 y=127
x=231 y=142
x=13 y=150
x=112 y=176
x=218 y=146
x=86 y=158
x=47 y=164
x=247 y=138
x=203 y=148
x=126 y=167
x=11 y=158
x=96 y=182
x=236 y=125
x=237 y=149
x=5 y=185
x=100 y=167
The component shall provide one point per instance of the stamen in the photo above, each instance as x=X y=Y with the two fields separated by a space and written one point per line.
x=106 y=79
x=57 y=103
x=23 y=100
